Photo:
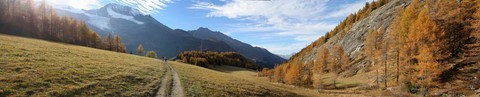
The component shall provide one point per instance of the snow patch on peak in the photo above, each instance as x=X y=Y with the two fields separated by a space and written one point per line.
x=122 y=9
x=135 y=12
x=114 y=14
x=94 y=20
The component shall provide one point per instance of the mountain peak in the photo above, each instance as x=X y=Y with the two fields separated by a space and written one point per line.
x=204 y=29
x=123 y=9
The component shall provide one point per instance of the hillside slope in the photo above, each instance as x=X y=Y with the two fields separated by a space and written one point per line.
x=229 y=81
x=405 y=47
x=353 y=40
x=31 y=67
x=260 y=55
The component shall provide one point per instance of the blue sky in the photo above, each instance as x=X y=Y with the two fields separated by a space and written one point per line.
x=281 y=26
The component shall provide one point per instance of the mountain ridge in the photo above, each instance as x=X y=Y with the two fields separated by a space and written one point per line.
x=135 y=28
x=261 y=55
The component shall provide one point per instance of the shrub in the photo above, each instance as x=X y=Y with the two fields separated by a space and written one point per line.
x=151 y=54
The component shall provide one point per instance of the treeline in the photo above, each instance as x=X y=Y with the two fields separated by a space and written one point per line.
x=296 y=72
x=211 y=59
x=418 y=45
x=24 y=18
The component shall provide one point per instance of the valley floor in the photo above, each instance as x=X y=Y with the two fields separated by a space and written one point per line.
x=31 y=67
x=233 y=81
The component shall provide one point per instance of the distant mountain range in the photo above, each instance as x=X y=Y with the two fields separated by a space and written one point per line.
x=135 y=28
x=286 y=56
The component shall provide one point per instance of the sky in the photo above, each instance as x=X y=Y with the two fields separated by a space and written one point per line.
x=281 y=26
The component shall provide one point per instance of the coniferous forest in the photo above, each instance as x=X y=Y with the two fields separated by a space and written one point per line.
x=23 y=18
x=422 y=50
x=212 y=59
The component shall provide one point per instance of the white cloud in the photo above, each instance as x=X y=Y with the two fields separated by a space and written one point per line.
x=250 y=27
x=146 y=6
x=274 y=8
x=286 y=17
x=302 y=20
x=283 y=49
x=78 y=4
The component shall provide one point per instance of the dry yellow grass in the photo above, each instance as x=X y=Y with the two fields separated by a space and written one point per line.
x=203 y=82
x=233 y=81
x=31 y=67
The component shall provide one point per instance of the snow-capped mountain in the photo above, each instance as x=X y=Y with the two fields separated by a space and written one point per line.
x=135 y=28
x=118 y=12
x=100 y=18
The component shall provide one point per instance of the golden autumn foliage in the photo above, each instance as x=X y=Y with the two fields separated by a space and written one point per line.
x=430 y=33
x=279 y=73
x=118 y=45
x=340 y=59
x=24 y=18
x=140 y=50
x=423 y=37
x=212 y=59
x=395 y=42
x=335 y=60
x=266 y=72
x=424 y=49
x=320 y=67
x=371 y=44
x=322 y=61
x=151 y=54
x=293 y=75
x=476 y=19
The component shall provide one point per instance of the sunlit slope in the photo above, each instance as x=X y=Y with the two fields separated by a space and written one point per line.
x=31 y=67
x=232 y=81
x=40 y=68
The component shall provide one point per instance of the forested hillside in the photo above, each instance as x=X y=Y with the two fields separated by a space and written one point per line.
x=23 y=18
x=261 y=56
x=422 y=47
x=211 y=59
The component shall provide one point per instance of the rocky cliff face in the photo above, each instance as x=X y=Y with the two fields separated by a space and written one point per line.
x=353 y=40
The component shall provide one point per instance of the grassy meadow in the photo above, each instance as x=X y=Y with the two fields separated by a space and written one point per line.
x=233 y=81
x=31 y=67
